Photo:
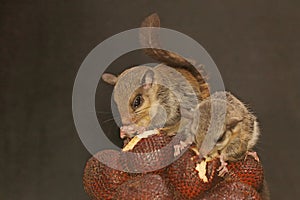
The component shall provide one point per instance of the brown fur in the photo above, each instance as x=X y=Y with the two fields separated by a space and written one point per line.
x=231 y=138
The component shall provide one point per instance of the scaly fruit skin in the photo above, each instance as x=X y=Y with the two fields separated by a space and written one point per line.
x=248 y=171
x=185 y=179
x=178 y=181
x=150 y=186
x=150 y=155
x=231 y=190
x=101 y=181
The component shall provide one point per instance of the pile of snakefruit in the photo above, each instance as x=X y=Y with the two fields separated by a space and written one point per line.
x=185 y=178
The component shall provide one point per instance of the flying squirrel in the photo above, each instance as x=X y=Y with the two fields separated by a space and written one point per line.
x=238 y=127
x=161 y=97
x=156 y=96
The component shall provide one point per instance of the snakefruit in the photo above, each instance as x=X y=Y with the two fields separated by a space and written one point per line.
x=147 y=154
x=190 y=178
x=150 y=186
x=231 y=190
x=248 y=171
x=101 y=181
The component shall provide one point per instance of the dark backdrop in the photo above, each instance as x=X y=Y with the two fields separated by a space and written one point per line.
x=42 y=44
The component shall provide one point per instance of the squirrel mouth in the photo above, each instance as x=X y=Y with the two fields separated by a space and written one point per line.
x=131 y=130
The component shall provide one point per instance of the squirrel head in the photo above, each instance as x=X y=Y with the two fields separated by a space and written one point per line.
x=151 y=97
x=135 y=93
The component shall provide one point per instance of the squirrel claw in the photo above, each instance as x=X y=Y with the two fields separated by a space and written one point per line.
x=223 y=168
x=179 y=147
x=253 y=154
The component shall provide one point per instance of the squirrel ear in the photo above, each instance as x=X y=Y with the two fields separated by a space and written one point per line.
x=233 y=121
x=148 y=79
x=109 y=78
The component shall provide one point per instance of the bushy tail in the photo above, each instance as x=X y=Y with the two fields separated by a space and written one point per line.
x=150 y=38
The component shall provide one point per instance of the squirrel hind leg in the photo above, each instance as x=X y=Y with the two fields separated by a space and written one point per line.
x=223 y=168
x=183 y=144
x=253 y=154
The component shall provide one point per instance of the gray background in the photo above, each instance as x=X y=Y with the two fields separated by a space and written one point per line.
x=254 y=43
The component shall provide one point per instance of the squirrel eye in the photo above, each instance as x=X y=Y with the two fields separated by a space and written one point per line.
x=221 y=138
x=137 y=101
